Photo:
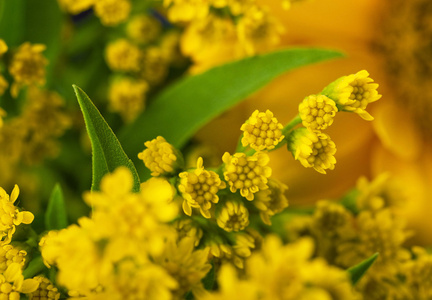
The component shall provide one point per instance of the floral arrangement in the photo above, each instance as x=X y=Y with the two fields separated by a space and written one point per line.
x=143 y=155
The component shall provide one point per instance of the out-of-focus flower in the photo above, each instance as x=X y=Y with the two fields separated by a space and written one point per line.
x=27 y=66
x=3 y=85
x=76 y=6
x=187 y=228
x=2 y=114
x=143 y=28
x=3 y=47
x=186 y=10
x=127 y=97
x=249 y=174
x=112 y=12
x=154 y=66
x=122 y=55
x=272 y=200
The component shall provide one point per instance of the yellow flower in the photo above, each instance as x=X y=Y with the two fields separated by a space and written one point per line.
x=233 y=216
x=186 y=265
x=417 y=272
x=154 y=66
x=46 y=290
x=10 y=216
x=186 y=10
x=313 y=149
x=187 y=228
x=112 y=12
x=317 y=112
x=9 y=255
x=353 y=93
x=27 y=66
x=258 y=31
x=3 y=47
x=127 y=97
x=122 y=55
x=160 y=157
x=271 y=201
x=381 y=232
x=249 y=174
x=330 y=219
x=143 y=28
x=76 y=6
x=199 y=189
x=262 y=131
x=12 y=283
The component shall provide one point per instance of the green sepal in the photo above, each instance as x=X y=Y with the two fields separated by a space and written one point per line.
x=56 y=215
x=358 y=271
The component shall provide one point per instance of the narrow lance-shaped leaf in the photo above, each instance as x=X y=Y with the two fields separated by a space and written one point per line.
x=357 y=272
x=180 y=110
x=55 y=215
x=108 y=154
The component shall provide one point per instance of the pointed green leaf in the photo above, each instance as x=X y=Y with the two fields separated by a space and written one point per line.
x=180 y=110
x=56 y=216
x=108 y=154
x=356 y=272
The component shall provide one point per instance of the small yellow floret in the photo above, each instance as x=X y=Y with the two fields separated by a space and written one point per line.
x=262 y=131
x=127 y=97
x=27 y=66
x=10 y=254
x=45 y=291
x=313 y=150
x=10 y=216
x=122 y=55
x=272 y=200
x=317 y=112
x=249 y=174
x=3 y=85
x=112 y=12
x=353 y=93
x=143 y=28
x=233 y=216
x=199 y=189
x=160 y=157
x=12 y=283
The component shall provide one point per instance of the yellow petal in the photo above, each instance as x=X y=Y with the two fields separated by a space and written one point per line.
x=28 y=217
x=29 y=286
x=14 y=194
x=13 y=272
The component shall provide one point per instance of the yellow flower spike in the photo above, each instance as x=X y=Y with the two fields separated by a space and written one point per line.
x=112 y=12
x=46 y=290
x=272 y=200
x=313 y=150
x=160 y=157
x=3 y=47
x=353 y=93
x=233 y=216
x=199 y=189
x=143 y=28
x=127 y=97
x=317 y=112
x=249 y=174
x=27 y=66
x=76 y=6
x=262 y=131
x=122 y=55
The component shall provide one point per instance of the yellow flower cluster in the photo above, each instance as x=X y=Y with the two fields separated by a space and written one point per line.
x=280 y=271
x=27 y=66
x=12 y=283
x=76 y=6
x=317 y=112
x=233 y=216
x=126 y=249
x=313 y=150
x=122 y=55
x=261 y=131
x=127 y=97
x=45 y=291
x=199 y=189
x=143 y=29
x=160 y=157
x=271 y=201
x=9 y=255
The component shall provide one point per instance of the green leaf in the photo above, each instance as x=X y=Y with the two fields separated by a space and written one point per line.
x=357 y=272
x=108 y=154
x=56 y=216
x=35 y=267
x=180 y=110
x=209 y=280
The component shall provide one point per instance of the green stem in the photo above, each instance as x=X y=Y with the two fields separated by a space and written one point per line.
x=240 y=147
x=288 y=127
